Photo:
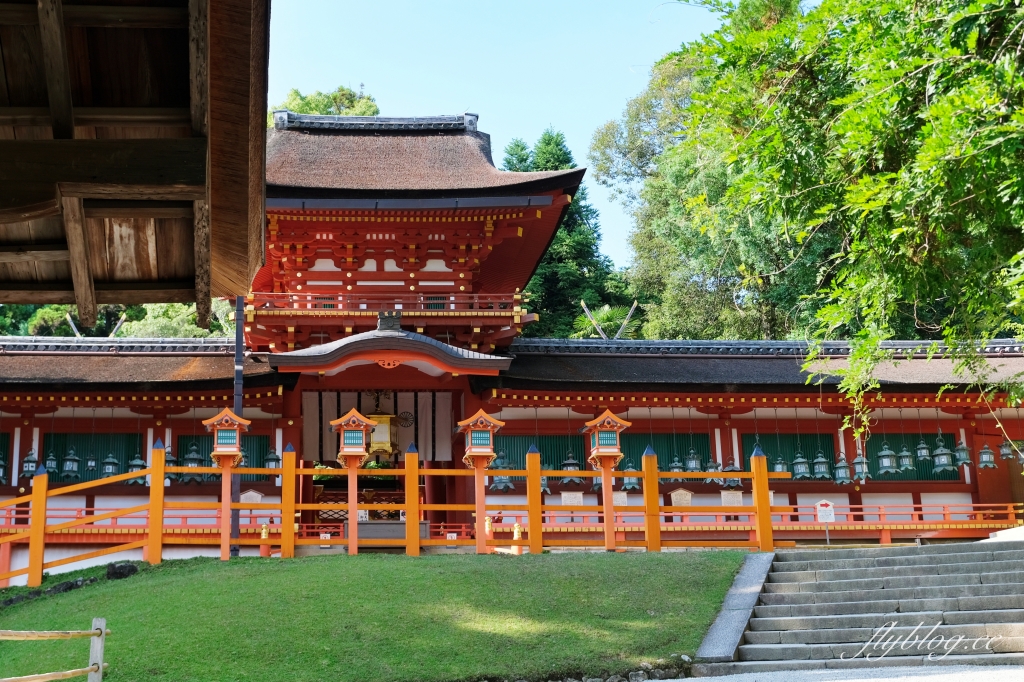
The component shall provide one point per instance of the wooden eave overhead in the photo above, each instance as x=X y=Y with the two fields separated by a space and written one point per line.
x=132 y=142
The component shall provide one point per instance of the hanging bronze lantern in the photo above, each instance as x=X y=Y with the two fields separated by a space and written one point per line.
x=886 y=460
x=942 y=458
x=906 y=459
x=820 y=467
x=963 y=454
x=986 y=457
x=801 y=467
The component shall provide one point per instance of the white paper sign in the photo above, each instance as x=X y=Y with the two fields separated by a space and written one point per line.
x=363 y=515
x=826 y=512
x=732 y=498
x=325 y=536
x=251 y=497
x=682 y=498
x=452 y=536
x=401 y=515
x=620 y=498
x=573 y=499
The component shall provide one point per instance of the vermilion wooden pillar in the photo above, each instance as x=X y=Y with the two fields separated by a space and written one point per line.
x=480 y=430
x=605 y=454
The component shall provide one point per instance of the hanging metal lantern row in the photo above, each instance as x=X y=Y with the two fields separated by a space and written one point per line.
x=51 y=462
x=570 y=464
x=1006 y=450
x=29 y=465
x=963 y=454
x=171 y=461
x=193 y=460
x=801 y=467
x=886 y=460
x=503 y=483
x=842 y=470
x=676 y=467
x=942 y=457
x=692 y=461
x=780 y=466
x=819 y=467
x=631 y=482
x=110 y=466
x=70 y=469
x=923 y=453
x=861 y=468
x=905 y=459
x=713 y=468
x=986 y=457
x=134 y=466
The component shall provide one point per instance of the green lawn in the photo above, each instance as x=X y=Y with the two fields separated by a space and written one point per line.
x=377 y=618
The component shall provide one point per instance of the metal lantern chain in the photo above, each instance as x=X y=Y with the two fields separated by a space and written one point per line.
x=923 y=453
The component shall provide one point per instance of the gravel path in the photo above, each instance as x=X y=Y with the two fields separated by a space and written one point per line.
x=960 y=673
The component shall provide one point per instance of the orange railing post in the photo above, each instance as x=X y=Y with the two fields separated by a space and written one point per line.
x=412 y=502
x=534 y=503
x=353 y=505
x=155 y=546
x=608 y=502
x=652 y=503
x=762 y=504
x=227 y=466
x=480 y=499
x=37 y=531
x=288 y=477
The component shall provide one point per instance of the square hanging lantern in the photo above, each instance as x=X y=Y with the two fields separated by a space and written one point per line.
x=503 y=483
x=841 y=471
x=905 y=459
x=90 y=463
x=923 y=454
x=479 y=430
x=570 y=464
x=193 y=460
x=942 y=458
x=963 y=454
x=71 y=462
x=110 y=466
x=384 y=436
x=676 y=467
x=227 y=428
x=886 y=460
x=51 y=462
x=3 y=468
x=819 y=467
x=861 y=471
x=631 y=482
x=692 y=461
x=272 y=460
x=713 y=468
x=604 y=439
x=780 y=466
x=136 y=465
x=986 y=457
x=169 y=461
x=1006 y=450
x=801 y=467
x=29 y=465
x=734 y=482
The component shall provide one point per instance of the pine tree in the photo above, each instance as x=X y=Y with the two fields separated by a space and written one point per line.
x=573 y=269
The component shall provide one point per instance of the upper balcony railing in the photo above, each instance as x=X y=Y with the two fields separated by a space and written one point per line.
x=505 y=304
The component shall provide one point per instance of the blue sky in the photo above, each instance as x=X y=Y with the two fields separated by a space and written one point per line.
x=523 y=65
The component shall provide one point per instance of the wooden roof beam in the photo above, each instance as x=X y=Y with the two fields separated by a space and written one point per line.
x=35 y=173
x=99 y=16
x=124 y=293
x=33 y=253
x=55 y=65
x=78 y=245
x=98 y=116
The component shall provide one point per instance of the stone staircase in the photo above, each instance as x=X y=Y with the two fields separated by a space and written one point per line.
x=823 y=609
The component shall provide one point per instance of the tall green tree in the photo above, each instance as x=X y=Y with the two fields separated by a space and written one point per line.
x=340 y=102
x=573 y=268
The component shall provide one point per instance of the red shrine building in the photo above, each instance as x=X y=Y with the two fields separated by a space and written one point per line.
x=397 y=258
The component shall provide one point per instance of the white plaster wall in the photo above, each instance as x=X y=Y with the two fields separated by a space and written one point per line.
x=934 y=501
x=112 y=502
x=888 y=500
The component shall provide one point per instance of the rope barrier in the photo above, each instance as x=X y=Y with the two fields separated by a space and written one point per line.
x=67 y=674
x=53 y=634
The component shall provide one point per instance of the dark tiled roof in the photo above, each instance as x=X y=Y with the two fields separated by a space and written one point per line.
x=289 y=120
x=369 y=158
x=52 y=345
x=798 y=349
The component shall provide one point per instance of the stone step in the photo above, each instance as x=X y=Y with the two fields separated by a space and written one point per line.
x=894 y=582
x=935 y=603
x=993 y=616
x=845 y=635
x=899 y=561
x=740 y=667
x=857 y=620
x=924 y=550
x=881 y=572
x=924 y=645
x=992 y=589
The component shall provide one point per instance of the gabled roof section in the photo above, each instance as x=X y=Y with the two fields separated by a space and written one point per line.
x=383 y=157
x=385 y=347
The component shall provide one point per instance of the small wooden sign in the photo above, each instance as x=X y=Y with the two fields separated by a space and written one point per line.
x=325 y=536
x=826 y=512
x=620 y=498
x=732 y=498
x=572 y=499
x=682 y=498
x=363 y=515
